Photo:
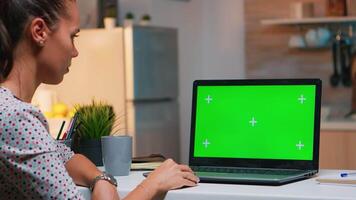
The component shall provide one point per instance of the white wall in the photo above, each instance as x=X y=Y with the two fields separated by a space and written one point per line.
x=223 y=39
x=211 y=44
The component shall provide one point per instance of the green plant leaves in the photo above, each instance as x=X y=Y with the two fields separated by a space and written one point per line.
x=96 y=120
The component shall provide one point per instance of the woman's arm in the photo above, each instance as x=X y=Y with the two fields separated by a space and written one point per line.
x=168 y=176
x=83 y=172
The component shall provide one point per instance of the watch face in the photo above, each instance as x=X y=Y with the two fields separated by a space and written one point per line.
x=111 y=178
x=105 y=176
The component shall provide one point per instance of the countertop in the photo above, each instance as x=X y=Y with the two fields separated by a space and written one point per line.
x=301 y=190
x=338 y=125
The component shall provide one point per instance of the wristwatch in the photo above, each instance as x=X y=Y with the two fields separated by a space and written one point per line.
x=104 y=176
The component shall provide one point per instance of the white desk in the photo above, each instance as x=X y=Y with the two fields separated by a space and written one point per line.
x=306 y=189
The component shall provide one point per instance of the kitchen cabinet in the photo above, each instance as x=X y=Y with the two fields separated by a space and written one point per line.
x=337 y=149
x=335 y=28
x=319 y=33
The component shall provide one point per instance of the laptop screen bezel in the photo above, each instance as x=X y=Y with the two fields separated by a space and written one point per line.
x=258 y=163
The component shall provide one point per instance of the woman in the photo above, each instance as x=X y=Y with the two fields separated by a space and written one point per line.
x=36 y=46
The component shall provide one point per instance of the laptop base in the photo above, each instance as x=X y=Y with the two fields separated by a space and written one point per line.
x=251 y=179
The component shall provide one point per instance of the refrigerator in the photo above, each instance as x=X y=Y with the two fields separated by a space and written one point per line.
x=151 y=88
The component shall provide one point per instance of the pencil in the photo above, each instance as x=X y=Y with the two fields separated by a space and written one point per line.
x=60 y=130
x=74 y=131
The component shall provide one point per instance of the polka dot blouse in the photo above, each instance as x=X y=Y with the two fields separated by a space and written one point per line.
x=31 y=161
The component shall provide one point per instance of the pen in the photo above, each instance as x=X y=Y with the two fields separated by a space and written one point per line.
x=60 y=130
x=64 y=135
x=68 y=127
x=72 y=126
x=347 y=174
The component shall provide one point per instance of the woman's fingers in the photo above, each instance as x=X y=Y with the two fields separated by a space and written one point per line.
x=188 y=173
x=185 y=168
x=191 y=177
x=185 y=183
x=171 y=175
x=189 y=183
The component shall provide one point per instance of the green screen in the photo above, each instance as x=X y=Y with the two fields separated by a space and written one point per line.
x=258 y=122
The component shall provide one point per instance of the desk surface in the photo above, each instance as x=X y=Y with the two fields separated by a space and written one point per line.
x=306 y=189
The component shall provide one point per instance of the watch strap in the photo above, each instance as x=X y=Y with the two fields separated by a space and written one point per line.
x=104 y=176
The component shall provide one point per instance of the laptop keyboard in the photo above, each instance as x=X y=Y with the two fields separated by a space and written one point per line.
x=244 y=170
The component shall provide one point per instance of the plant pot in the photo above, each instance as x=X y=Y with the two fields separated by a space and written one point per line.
x=117 y=154
x=109 y=23
x=145 y=22
x=90 y=148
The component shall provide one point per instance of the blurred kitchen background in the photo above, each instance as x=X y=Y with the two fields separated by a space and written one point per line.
x=157 y=48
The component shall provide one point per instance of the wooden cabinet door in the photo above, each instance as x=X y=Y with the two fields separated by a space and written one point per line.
x=337 y=150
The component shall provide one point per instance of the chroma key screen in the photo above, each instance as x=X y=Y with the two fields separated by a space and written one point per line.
x=256 y=122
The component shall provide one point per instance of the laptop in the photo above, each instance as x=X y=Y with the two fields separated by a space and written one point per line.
x=255 y=131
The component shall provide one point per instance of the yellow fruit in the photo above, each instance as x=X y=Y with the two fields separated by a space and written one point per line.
x=48 y=114
x=59 y=116
x=60 y=109
x=71 y=113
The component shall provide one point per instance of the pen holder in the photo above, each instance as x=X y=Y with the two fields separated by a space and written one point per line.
x=67 y=142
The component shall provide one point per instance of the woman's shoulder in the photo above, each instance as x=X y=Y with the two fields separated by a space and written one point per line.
x=23 y=126
x=16 y=110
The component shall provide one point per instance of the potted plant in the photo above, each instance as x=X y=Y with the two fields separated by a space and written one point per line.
x=145 y=20
x=94 y=121
x=110 y=17
x=129 y=17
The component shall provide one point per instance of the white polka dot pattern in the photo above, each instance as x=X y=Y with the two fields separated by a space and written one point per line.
x=31 y=161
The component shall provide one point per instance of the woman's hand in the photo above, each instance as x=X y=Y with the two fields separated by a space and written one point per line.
x=170 y=175
x=104 y=190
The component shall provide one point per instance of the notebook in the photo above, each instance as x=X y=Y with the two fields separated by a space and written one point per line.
x=344 y=178
x=255 y=131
